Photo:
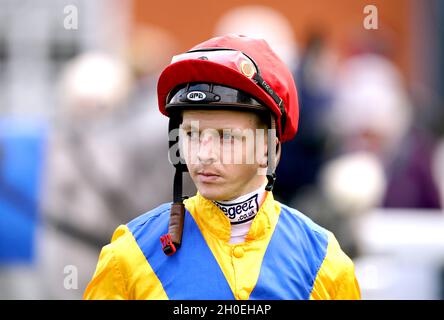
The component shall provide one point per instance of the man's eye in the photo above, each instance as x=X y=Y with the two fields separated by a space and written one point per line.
x=231 y=137
x=192 y=135
x=227 y=136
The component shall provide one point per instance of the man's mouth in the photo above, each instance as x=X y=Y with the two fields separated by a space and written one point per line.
x=207 y=176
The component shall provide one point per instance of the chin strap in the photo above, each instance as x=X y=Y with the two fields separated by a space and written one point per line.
x=172 y=241
x=271 y=155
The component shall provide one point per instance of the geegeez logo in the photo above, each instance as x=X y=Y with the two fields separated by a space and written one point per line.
x=196 y=96
x=241 y=211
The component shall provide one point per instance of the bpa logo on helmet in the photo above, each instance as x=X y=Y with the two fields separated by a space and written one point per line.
x=196 y=96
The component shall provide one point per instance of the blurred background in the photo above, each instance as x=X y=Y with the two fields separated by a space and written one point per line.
x=84 y=149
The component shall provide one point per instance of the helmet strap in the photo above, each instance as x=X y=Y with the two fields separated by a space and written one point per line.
x=172 y=241
x=272 y=151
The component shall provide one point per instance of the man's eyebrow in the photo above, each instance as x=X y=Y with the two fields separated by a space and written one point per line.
x=186 y=126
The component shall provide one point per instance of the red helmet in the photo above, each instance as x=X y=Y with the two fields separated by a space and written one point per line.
x=241 y=63
x=221 y=73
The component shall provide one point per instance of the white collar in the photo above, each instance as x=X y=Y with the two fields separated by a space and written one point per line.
x=243 y=208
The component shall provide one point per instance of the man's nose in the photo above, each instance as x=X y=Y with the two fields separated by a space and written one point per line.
x=207 y=152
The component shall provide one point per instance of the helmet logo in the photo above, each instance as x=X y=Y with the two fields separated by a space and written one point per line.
x=196 y=96
x=247 y=69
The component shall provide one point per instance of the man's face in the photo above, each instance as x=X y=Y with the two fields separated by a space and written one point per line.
x=224 y=151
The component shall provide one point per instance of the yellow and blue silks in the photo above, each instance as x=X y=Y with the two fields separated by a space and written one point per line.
x=284 y=256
